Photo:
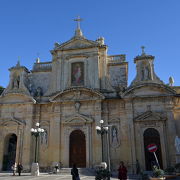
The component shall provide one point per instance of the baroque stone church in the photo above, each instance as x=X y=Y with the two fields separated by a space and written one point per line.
x=70 y=94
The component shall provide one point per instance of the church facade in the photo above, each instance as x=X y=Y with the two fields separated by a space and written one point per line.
x=69 y=96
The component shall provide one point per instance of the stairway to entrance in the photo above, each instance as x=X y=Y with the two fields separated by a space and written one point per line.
x=82 y=171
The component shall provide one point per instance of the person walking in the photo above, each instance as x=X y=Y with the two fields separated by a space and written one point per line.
x=19 y=168
x=56 y=168
x=138 y=169
x=122 y=171
x=14 y=168
x=75 y=173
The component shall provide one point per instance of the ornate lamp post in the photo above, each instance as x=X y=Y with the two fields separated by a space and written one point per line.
x=103 y=129
x=36 y=132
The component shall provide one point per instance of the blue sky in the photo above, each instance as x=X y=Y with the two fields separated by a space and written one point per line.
x=28 y=27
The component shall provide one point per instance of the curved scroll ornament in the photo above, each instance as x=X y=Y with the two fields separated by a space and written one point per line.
x=114 y=137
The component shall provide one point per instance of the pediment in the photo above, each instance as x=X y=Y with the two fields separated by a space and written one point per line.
x=13 y=98
x=149 y=116
x=148 y=90
x=77 y=94
x=11 y=120
x=77 y=43
x=78 y=119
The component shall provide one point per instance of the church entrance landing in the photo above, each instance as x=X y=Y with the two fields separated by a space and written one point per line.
x=77 y=152
x=9 y=151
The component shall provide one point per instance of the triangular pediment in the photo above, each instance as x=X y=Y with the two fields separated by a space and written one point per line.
x=77 y=94
x=77 y=43
x=78 y=119
x=13 y=98
x=10 y=121
x=148 y=90
x=149 y=116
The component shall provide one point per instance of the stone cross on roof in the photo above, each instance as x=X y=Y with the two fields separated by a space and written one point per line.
x=143 y=52
x=18 y=62
x=78 y=20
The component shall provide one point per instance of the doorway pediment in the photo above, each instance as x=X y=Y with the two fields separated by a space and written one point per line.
x=149 y=116
x=78 y=119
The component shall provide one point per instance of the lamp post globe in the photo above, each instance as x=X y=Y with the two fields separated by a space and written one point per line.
x=103 y=129
x=36 y=132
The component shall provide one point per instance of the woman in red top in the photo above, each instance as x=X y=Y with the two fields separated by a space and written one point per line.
x=122 y=171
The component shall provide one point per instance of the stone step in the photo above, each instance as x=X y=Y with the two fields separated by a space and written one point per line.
x=83 y=171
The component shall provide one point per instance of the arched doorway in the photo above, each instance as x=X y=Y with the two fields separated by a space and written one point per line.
x=9 y=157
x=151 y=136
x=77 y=151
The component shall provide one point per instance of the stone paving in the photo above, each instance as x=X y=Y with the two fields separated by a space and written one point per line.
x=43 y=176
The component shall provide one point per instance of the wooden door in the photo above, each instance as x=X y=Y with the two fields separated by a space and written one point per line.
x=151 y=136
x=77 y=152
x=9 y=152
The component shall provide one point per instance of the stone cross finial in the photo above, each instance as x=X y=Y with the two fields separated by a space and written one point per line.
x=18 y=62
x=143 y=52
x=78 y=20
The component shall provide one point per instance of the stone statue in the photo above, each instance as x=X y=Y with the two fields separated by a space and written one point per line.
x=16 y=82
x=39 y=91
x=77 y=106
x=177 y=144
x=114 y=136
x=142 y=74
x=171 y=81
x=146 y=73
x=44 y=137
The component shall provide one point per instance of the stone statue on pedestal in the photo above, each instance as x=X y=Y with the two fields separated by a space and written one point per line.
x=16 y=82
x=177 y=144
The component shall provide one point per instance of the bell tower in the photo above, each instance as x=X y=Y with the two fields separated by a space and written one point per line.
x=145 y=69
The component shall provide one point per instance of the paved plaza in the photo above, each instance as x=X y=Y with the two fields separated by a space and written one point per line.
x=44 y=176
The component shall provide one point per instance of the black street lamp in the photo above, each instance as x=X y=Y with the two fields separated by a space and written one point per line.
x=36 y=132
x=103 y=129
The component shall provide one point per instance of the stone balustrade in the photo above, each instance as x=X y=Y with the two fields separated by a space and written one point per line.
x=117 y=58
x=43 y=66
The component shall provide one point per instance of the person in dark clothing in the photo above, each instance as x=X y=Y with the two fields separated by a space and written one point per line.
x=122 y=171
x=75 y=173
x=138 y=169
x=19 y=168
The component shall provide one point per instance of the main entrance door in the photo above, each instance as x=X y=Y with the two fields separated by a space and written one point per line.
x=151 y=136
x=9 y=151
x=77 y=152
